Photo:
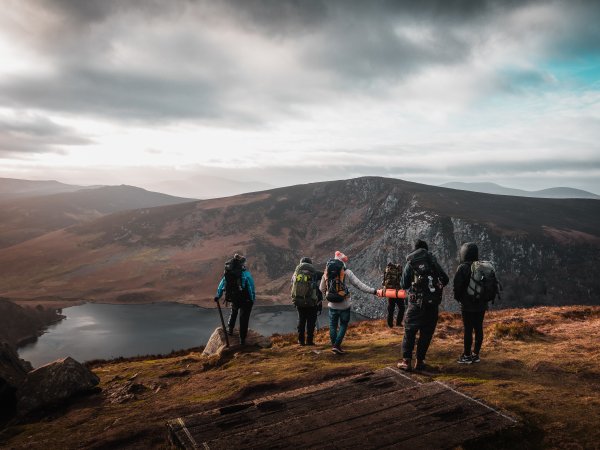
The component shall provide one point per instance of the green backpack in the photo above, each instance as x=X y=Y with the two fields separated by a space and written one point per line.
x=304 y=287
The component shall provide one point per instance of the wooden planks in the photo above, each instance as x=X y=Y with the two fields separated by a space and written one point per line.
x=383 y=409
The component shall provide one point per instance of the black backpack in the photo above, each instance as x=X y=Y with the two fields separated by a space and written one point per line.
x=235 y=292
x=392 y=276
x=425 y=282
x=336 y=286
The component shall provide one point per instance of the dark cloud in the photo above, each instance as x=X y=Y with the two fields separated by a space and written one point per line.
x=339 y=48
x=35 y=135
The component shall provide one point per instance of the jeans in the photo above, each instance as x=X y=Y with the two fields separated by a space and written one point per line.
x=245 y=308
x=343 y=318
x=307 y=319
x=473 y=321
x=422 y=319
x=392 y=303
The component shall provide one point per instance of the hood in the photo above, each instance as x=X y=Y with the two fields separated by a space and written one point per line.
x=469 y=252
x=418 y=252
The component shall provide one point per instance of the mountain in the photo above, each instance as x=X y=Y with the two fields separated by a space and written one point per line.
x=25 y=218
x=207 y=186
x=14 y=188
x=493 y=188
x=545 y=250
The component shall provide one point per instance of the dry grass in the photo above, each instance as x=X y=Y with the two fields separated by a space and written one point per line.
x=545 y=369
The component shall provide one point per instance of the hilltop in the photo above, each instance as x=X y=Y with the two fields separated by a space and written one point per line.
x=493 y=188
x=545 y=250
x=541 y=365
x=26 y=218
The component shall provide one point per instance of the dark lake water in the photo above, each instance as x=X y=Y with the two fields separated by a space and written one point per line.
x=101 y=331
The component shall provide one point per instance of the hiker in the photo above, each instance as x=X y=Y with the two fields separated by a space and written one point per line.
x=475 y=284
x=333 y=284
x=307 y=298
x=392 y=280
x=238 y=285
x=424 y=279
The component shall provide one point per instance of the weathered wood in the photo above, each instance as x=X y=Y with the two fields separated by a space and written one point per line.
x=385 y=409
x=298 y=402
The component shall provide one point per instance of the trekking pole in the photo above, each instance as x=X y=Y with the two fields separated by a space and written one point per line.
x=223 y=323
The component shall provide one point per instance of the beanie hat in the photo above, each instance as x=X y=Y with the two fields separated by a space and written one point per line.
x=420 y=244
x=306 y=260
x=339 y=255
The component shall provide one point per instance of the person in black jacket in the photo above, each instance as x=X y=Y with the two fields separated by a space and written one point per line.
x=473 y=311
x=424 y=279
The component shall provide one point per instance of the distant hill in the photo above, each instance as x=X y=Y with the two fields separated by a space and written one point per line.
x=545 y=250
x=13 y=188
x=493 y=188
x=28 y=217
x=207 y=186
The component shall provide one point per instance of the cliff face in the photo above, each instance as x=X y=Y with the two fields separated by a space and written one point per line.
x=545 y=250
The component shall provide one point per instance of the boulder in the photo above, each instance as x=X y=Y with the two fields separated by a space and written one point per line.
x=12 y=369
x=217 y=343
x=12 y=375
x=54 y=383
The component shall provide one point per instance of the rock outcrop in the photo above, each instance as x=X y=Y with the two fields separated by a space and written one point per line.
x=217 y=342
x=54 y=383
x=12 y=375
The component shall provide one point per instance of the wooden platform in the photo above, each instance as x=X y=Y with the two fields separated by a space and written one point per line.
x=383 y=409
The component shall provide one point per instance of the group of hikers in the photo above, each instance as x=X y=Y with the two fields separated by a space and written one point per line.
x=414 y=288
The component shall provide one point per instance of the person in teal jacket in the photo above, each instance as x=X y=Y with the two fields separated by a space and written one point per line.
x=238 y=285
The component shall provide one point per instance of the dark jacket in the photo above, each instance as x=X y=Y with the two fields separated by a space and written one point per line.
x=468 y=254
x=408 y=272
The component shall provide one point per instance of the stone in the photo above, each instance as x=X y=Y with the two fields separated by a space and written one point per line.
x=217 y=343
x=54 y=383
x=12 y=369
x=12 y=375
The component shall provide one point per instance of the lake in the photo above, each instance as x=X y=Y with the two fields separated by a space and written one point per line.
x=103 y=331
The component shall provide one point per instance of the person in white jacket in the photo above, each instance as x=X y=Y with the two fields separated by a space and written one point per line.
x=336 y=292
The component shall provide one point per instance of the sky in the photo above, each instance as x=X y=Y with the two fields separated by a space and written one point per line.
x=287 y=91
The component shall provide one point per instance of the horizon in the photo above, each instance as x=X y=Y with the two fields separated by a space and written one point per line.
x=280 y=93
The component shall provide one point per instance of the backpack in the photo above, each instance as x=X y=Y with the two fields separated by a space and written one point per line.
x=483 y=284
x=304 y=287
x=392 y=276
x=235 y=292
x=425 y=282
x=336 y=286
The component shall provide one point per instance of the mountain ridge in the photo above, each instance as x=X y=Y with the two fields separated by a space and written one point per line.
x=544 y=248
x=493 y=188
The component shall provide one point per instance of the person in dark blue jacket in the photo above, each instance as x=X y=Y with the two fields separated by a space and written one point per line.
x=238 y=285
x=424 y=279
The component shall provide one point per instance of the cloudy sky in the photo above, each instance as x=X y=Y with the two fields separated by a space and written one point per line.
x=290 y=91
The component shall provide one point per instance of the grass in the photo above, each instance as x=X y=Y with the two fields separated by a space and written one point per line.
x=541 y=365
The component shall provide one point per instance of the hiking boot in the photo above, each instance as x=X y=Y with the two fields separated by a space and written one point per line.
x=310 y=342
x=464 y=359
x=405 y=364
x=337 y=350
x=420 y=365
x=475 y=358
x=301 y=342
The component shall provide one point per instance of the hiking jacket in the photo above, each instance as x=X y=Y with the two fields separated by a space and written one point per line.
x=468 y=254
x=408 y=272
x=247 y=283
x=350 y=279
